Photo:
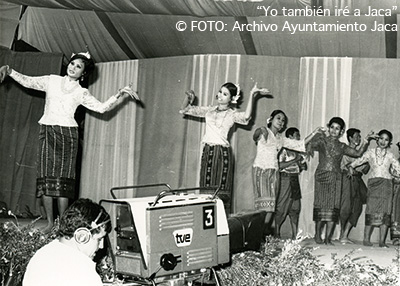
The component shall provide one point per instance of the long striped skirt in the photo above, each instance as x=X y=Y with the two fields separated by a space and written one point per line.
x=58 y=148
x=327 y=195
x=265 y=187
x=379 y=202
x=395 y=227
x=217 y=167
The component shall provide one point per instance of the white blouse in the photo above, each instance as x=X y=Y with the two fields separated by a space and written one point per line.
x=65 y=266
x=62 y=98
x=218 y=123
x=268 y=149
x=380 y=161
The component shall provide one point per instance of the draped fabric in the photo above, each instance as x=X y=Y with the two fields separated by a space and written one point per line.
x=203 y=8
x=161 y=130
x=281 y=76
x=152 y=143
x=324 y=92
x=112 y=36
x=110 y=139
x=207 y=76
x=375 y=104
x=375 y=97
x=169 y=7
x=342 y=4
x=167 y=146
x=20 y=111
x=294 y=37
x=69 y=31
x=8 y=22
x=163 y=151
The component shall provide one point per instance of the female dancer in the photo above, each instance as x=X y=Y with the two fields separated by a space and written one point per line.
x=328 y=177
x=217 y=165
x=265 y=167
x=58 y=137
x=395 y=226
x=380 y=186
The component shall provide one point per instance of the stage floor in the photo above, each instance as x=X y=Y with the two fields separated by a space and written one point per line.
x=379 y=256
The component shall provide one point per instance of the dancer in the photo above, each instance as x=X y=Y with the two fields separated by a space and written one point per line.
x=354 y=191
x=395 y=226
x=288 y=202
x=265 y=167
x=58 y=137
x=328 y=176
x=217 y=166
x=380 y=186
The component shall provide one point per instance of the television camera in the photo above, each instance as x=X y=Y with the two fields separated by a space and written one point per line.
x=175 y=238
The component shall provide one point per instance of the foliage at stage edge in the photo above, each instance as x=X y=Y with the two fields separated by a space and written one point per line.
x=279 y=263
x=18 y=244
x=291 y=264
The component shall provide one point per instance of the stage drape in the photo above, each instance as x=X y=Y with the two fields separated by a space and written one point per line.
x=8 y=22
x=20 y=111
x=207 y=75
x=324 y=92
x=161 y=142
x=375 y=100
x=375 y=106
x=153 y=143
x=122 y=36
x=70 y=32
x=167 y=145
x=109 y=140
x=169 y=7
x=281 y=76
x=294 y=37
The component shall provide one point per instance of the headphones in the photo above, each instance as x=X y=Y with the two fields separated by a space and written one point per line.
x=83 y=235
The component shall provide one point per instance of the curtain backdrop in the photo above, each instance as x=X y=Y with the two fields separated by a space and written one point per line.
x=110 y=139
x=122 y=36
x=281 y=76
x=162 y=130
x=169 y=7
x=153 y=143
x=305 y=43
x=167 y=146
x=20 y=111
x=208 y=74
x=324 y=92
x=375 y=106
x=8 y=22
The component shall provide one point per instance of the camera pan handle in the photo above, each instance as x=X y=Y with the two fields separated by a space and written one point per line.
x=172 y=192
x=137 y=186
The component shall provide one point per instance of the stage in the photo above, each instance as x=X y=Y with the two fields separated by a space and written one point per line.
x=380 y=256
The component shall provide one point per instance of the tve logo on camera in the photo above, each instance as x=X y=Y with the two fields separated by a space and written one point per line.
x=183 y=237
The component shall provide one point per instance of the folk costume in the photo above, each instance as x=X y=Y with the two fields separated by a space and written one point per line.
x=289 y=195
x=328 y=176
x=58 y=137
x=380 y=185
x=266 y=168
x=395 y=226
x=354 y=193
x=217 y=162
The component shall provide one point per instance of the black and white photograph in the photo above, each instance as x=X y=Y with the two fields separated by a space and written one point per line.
x=199 y=142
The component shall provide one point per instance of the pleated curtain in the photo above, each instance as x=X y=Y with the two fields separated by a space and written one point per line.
x=324 y=92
